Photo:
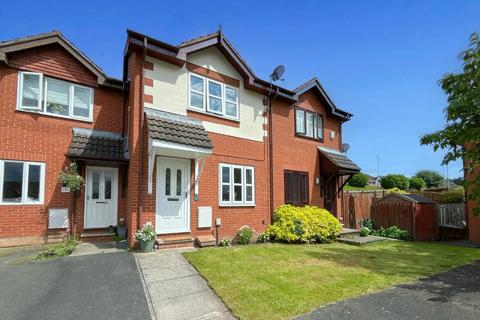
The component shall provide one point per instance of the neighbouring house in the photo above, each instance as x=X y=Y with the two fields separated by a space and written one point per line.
x=373 y=181
x=190 y=140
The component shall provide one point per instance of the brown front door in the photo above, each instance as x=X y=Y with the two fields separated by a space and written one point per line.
x=329 y=184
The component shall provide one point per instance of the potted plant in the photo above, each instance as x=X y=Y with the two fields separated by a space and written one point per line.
x=121 y=229
x=71 y=178
x=146 y=237
x=73 y=181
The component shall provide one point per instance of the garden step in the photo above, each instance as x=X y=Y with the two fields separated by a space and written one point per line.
x=206 y=241
x=174 y=242
x=346 y=233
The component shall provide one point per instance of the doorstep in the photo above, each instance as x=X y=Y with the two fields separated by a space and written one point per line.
x=169 y=242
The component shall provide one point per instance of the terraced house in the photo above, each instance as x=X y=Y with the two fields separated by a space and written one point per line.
x=190 y=139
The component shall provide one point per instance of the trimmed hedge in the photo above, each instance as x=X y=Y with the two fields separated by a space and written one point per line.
x=417 y=183
x=307 y=224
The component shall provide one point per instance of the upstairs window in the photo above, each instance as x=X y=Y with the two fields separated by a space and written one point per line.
x=54 y=97
x=308 y=124
x=213 y=97
x=296 y=187
x=21 y=182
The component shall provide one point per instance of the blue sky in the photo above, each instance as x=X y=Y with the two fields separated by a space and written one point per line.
x=380 y=60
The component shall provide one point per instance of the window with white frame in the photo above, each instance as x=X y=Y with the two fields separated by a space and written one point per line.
x=237 y=184
x=54 y=97
x=21 y=182
x=213 y=96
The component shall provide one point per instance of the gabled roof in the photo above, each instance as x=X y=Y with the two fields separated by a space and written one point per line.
x=178 y=56
x=413 y=198
x=56 y=37
x=314 y=84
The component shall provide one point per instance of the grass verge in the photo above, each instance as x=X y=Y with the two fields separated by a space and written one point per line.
x=278 y=281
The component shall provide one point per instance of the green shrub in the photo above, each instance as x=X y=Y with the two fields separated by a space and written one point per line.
x=224 y=243
x=244 y=235
x=417 y=183
x=364 y=231
x=393 y=232
x=455 y=195
x=303 y=225
x=263 y=237
x=395 y=181
x=359 y=180
x=61 y=249
x=367 y=223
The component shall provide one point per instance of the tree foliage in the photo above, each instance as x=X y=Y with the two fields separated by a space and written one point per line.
x=417 y=183
x=432 y=179
x=358 y=180
x=395 y=181
x=460 y=136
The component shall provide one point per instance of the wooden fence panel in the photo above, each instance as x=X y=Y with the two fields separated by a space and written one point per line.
x=452 y=215
x=357 y=205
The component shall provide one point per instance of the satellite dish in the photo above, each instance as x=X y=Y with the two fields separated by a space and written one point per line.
x=277 y=73
x=345 y=147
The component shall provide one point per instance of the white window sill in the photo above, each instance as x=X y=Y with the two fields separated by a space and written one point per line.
x=216 y=115
x=54 y=116
x=21 y=204
x=226 y=205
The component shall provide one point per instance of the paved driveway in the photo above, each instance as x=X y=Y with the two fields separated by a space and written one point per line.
x=101 y=286
x=454 y=294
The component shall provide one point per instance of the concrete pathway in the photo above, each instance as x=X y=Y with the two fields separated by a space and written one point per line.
x=175 y=290
x=454 y=294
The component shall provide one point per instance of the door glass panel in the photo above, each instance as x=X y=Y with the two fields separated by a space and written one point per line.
x=12 y=182
x=33 y=192
x=179 y=182
x=108 y=185
x=95 y=185
x=167 y=182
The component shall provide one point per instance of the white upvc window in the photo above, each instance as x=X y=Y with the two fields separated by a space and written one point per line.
x=54 y=97
x=30 y=90
x=21 y=182
x=212 y=96
x=236 y=185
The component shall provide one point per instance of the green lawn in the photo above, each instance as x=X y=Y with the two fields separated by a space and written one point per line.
x=278 y=281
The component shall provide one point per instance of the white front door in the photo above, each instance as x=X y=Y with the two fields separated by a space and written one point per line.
x=102 y=197
x=173 y=200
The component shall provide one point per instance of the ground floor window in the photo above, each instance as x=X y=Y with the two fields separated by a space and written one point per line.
x=237 y=185
x=21 y=182
x=296 y=187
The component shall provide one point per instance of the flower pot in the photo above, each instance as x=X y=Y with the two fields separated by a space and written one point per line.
x=147 y=246
x=122 y=232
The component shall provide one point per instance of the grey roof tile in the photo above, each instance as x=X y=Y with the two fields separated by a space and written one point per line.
x=97 y=145
x=339 y=159
x=178 y=129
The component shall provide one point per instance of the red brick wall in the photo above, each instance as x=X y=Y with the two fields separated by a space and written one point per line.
x=33 y=137
x=296 y=153
x=473 y=222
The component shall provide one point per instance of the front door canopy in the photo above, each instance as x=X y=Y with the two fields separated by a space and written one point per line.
x=337 y=162
x=176 y=136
